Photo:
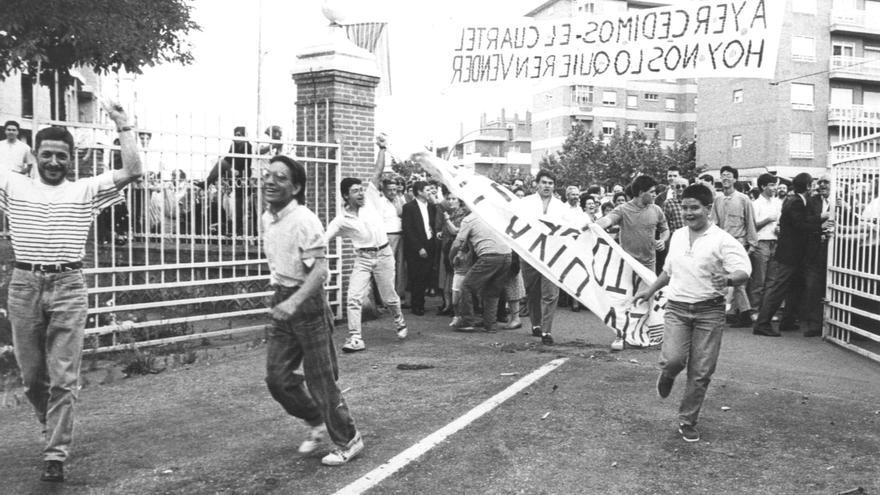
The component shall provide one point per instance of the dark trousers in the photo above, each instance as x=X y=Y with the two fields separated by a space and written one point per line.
x=487 y=277
x=419 y=271
x=306 y=339
x=776 y=289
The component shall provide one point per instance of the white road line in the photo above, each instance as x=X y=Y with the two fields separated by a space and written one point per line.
x=394 y=464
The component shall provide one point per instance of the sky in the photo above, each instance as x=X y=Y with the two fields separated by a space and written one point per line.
x=219 y=90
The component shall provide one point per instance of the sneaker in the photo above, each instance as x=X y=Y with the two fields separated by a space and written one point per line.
x=402 y=332
x=462 y=325
x=353 y=344
x=536 y=332
x=546 y=339
x=617 y=345
x=341 y=455
x=456 y=320
x=317 y=435
x=664 y=385
x=688 y=433
x=54 y=472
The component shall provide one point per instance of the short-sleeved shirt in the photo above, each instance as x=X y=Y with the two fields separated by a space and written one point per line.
x=50 y=224
x=764 y=209
x=366 y=228
x=293 y=239
x=639 y=226
x=13 y=157
x=391 y=216
x=690 y=267
x=534 y=205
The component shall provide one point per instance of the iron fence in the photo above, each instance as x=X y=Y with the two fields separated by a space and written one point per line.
x=182 y=258
x=852 y=308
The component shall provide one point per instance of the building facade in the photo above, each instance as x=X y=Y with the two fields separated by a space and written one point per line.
x=826 y=80
x=663 y=109
x=500 y=146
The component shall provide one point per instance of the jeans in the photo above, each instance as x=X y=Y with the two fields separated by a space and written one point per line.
x=692 y=340
x=48 y=316
x=541 y=297
x=306 y=339
x=760 y=260
x=368 y=264
x=487 y=277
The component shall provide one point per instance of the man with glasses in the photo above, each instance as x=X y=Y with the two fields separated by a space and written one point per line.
x=643 y=228
x=361 y=221
x=734 y=213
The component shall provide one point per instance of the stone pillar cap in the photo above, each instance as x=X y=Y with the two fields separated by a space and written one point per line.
x=337 y=52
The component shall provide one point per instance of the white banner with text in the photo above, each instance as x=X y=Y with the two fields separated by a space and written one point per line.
x=739 y=38
x=587 y=264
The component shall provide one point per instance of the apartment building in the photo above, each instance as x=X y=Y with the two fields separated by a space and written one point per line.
x=827 y=79
x=665 y=109
x=502 y=145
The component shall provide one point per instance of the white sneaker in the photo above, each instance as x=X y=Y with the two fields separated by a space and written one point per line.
x=353 y=344
x=617 y=345
x=341 y=455
x=455 y=321
x=402 y=332
x=317 y=435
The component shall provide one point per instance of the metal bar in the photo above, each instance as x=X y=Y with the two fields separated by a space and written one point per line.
x=107 y=329
x=191 y=283
x=179 y=302
x=172 y=340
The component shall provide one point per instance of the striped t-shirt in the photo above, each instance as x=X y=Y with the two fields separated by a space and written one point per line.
x=50 y=224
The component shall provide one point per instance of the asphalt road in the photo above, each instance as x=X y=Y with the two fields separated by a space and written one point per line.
x=802 y=417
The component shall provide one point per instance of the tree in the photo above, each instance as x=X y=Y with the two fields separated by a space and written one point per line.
x=106 y=35
x=585 y=160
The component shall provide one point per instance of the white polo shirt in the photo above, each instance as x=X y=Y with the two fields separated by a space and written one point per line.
x=765 y=208
x=13 y=157
x=690 y=267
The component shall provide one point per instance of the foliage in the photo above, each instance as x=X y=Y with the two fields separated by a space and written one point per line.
x=103 y=34
x=406 y=169
x=585 y=160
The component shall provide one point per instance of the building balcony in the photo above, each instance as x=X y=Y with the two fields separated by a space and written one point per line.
x=582 y=111
x=852 y=21
x=854 y=115
x=854 y=68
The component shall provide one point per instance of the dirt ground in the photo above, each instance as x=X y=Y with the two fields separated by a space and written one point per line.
x=800 y=417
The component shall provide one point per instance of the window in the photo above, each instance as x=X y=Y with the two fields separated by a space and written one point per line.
x=696 y=100
x=609 y=98
x=632 y=101
x=631 y=128
x=27 y=96
x=737 y=96
x=841 y=49
x=669 y=133
x=670 y=104
x=800 y=145
x=802 y=96
x=803 y=49
x=651 y=97
x=842 y=97
x=736 y=141
x=587 y=7
x=582 y=95
x=804 y=6
x=650 y=126
x=608 y=128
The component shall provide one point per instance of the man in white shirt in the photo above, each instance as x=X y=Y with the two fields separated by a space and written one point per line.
x=392 y=206
x=767 y=210
x=542 y=294
x=703 y=261
x=361 y=221
x=15 y=155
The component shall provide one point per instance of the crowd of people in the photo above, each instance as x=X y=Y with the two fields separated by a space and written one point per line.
x=743 y=253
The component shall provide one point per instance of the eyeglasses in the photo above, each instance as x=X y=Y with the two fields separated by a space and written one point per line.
x=679 y=186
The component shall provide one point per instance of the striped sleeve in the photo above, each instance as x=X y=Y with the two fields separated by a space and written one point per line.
x=104 y=192
x=4 y=187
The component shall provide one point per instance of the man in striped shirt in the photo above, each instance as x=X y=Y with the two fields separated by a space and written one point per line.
x=49 y=221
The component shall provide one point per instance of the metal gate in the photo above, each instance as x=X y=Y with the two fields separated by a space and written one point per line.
x=182 y=258
x=852 y=309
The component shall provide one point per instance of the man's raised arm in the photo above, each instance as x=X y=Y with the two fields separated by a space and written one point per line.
x=381 y=142
x=131 y=161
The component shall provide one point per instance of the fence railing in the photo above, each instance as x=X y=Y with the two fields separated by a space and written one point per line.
x=852 y=309
x=182 y=258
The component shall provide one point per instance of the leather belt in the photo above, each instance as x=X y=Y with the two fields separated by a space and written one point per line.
x=49 y=268
x=373 y=249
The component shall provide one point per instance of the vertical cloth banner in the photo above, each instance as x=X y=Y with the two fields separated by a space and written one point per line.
x=587 y=264
x=738 y=38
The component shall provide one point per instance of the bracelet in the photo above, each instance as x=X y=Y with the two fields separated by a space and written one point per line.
x=124 y=128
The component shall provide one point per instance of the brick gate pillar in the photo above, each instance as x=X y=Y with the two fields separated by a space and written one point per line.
x=335 y=103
